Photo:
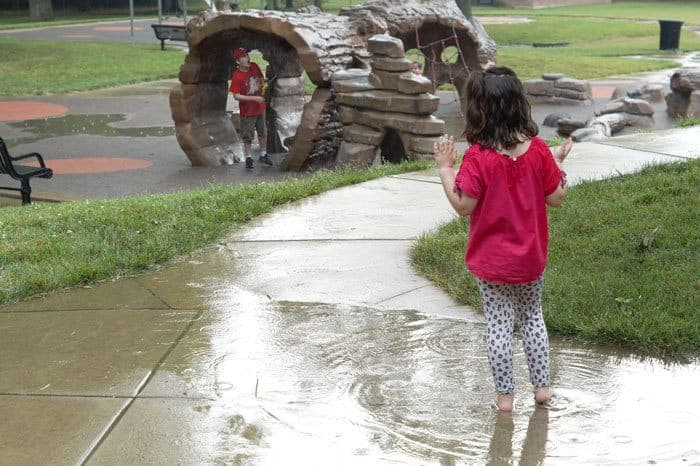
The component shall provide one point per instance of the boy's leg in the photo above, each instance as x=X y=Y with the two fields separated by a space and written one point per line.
x=247 y=129
x=261 y=129
x=499 y=314
x=528 y=310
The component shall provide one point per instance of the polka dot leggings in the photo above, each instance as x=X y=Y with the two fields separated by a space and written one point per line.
x=502 y=302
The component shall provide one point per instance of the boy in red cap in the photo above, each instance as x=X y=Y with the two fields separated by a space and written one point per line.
x=247 y=88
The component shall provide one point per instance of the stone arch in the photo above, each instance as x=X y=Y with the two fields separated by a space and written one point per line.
x=392 y=148
x=437 y=34
x=290 y=42
x=323 y=45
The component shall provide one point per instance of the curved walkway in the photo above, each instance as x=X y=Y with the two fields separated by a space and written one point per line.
x=306 y=338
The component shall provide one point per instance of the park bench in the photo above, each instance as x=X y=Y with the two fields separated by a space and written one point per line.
x=22 y=173
x=169 y=32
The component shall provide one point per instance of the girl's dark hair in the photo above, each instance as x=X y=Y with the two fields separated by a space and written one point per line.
x=497 y=113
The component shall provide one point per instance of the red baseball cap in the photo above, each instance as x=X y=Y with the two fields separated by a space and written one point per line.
x=239 y=52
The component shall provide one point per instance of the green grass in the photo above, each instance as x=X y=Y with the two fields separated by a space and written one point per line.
x=46 y=247
x=686 y=122
x=689 y=12
x=42 y=68
x=598 y=47
x=624 y=262
x=20 y=20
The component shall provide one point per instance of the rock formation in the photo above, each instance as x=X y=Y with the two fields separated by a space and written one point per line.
x=555 y=88
x=321 y=45
x=684 y=98
x=615 y=116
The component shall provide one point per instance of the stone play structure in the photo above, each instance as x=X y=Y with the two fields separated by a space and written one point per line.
x=684 y=98
x=611 y=119
x=555 y=88
x=365 y=102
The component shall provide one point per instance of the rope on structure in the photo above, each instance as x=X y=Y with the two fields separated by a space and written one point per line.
x=463 y=70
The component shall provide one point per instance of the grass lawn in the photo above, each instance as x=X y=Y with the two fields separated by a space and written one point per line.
x=689 y=12
x=598 y=47
x=624 y=262
x=20 y=20
x=51 y=246
x=42 y=68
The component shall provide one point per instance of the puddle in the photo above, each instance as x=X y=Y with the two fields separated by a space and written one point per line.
x=301 y=383
x=99 y=125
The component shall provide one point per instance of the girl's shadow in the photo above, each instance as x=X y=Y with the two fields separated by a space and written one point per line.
x=533 y=449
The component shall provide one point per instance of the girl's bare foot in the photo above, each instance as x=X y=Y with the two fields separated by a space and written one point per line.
x=542 y=394
x=504 y=402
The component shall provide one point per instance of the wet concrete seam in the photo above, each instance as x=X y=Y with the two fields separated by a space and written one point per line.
x=90 y=309
x=401 y=294
x=122 y=411
x=414 y=179
x=316 y=240
x=158 y=297
x=109 y=397
x=675 y=156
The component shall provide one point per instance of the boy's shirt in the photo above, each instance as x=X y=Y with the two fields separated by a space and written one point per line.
x=248 y=83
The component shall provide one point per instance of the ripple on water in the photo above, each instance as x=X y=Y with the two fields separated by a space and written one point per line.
x=418 y=388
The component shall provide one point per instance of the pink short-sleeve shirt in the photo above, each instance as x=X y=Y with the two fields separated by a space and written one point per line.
x=508 y=235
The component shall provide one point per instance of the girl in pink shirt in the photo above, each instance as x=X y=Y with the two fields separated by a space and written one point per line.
x=507 y=179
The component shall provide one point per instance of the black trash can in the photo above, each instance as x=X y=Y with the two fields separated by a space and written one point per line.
x=670 y=35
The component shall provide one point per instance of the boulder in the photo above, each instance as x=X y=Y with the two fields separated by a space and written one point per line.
x=685 y=81
x=362 y=134
x=694 y=105
x=387 y=101
x=391 y=64
x=384 y=44
x=552 y=119
x=357 y=155
x=566 y=126
x=628 y=105
x=677 y=104
x=589 y=133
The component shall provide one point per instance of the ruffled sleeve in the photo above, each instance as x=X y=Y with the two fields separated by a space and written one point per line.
x=469 y=179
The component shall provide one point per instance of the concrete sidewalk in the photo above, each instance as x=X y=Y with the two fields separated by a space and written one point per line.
x=146 y=370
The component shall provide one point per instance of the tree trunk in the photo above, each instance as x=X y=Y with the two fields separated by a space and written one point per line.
x=40 y=10
x=465 y=6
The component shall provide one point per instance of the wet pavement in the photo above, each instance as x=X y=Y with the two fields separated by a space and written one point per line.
x=284 y=344
x=304 y=338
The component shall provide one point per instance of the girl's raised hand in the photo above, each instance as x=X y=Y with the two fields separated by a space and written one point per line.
x=445 y=153
x=564 y=150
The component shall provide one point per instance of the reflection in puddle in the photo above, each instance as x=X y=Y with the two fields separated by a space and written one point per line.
x=82 y=124
x=299 y=383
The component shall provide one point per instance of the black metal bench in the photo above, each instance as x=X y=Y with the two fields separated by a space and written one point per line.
x=22 y=173
x=169 y=32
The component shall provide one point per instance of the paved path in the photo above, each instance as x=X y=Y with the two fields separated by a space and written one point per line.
x=192 y=364
x=200 y=363
x=104 y=31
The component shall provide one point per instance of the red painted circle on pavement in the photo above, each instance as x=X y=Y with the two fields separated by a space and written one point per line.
x=80 y=165
x=17 y=110
x=116 y=28
x=602 y=92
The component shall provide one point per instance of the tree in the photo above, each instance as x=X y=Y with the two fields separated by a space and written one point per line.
x=465 y=6
x=40 y=10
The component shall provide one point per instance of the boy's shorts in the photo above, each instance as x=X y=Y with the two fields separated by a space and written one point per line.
x=250 y=125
